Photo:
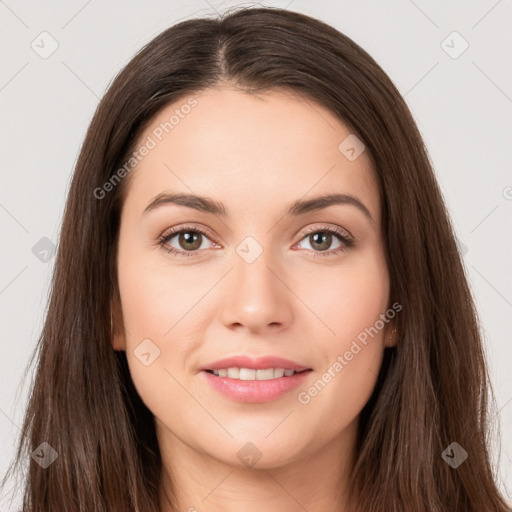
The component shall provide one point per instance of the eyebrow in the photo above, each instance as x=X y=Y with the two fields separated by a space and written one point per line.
x=208 y=205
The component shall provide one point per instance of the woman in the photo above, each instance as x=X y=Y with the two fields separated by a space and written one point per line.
x=258 y=299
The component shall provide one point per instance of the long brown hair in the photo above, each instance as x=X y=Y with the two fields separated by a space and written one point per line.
x=433 y=388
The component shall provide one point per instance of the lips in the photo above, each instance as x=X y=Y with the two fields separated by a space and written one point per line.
x=288 y=376
x=260 y=363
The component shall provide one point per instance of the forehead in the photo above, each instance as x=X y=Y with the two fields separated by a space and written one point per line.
x=249 y=151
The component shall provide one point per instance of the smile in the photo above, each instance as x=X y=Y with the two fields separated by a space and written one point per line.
x=254 y=386
x=254 y=374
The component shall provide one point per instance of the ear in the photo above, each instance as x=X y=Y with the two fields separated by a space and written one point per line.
x=390 y=334
x=117 y=327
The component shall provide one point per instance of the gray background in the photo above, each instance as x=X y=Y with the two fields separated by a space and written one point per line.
x=461 y=106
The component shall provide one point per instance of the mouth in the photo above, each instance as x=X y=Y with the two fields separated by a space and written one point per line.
x=254 y=380
x=259 y=374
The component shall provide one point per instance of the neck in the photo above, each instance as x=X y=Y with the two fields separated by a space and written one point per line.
x=316 y=481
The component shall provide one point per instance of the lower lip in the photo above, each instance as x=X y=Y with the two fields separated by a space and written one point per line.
x=255 y=391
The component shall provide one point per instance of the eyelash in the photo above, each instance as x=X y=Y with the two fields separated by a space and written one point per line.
x=347 y=242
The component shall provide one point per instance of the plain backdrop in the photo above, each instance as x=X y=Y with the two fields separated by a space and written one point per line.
x=449 y=59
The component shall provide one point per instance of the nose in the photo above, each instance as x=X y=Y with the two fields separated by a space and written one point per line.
x=257 y=297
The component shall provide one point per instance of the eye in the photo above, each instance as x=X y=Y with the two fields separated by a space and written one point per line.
x=188 y=241
x=320 y=239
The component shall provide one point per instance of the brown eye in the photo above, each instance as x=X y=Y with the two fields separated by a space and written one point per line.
x=321 y=241
x=190 y=240
x=185 y=241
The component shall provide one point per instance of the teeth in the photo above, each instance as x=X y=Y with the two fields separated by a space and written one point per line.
x=250 y=374
x=233 y=373
x=278 y=372
x=267 y=374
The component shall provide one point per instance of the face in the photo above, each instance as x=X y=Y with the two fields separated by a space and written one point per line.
x=257 y=271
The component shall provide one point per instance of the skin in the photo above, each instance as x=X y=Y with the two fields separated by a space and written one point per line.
x=256 y=155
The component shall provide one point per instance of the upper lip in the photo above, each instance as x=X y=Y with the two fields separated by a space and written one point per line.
x=255 y=363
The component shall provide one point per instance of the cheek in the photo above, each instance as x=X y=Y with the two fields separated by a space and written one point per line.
x=350 y=335
x=348 y=299
x=155 y=294
x=161 y=310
